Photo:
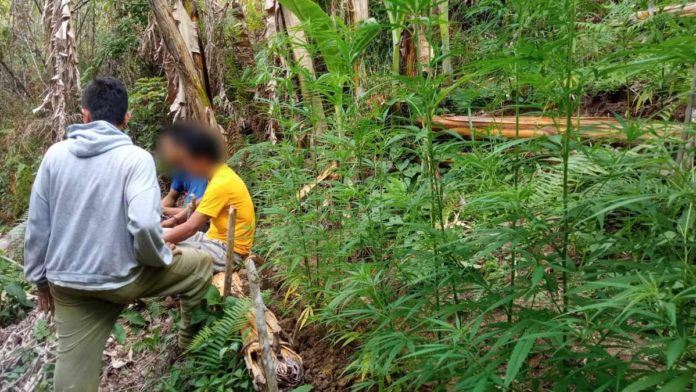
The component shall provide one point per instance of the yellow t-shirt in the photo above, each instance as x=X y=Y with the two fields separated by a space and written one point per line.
x=227 y=189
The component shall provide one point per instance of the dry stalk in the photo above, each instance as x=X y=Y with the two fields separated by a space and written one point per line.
x=62 y=63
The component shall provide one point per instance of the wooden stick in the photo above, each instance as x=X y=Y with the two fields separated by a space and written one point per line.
x=689 y=120
x=12 y=262
x=259 y=310
x=308 y=188
x=191 y=207
x=229 y=261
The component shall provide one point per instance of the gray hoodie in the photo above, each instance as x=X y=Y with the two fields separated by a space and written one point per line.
x=94 y=218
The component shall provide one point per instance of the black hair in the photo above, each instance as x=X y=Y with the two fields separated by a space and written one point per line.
x=196 y=139
x=106 y=98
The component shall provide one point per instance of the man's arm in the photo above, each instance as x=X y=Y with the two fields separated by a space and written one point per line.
x=38 y=229
x=186 y=229
x=170 y=200
x=172 y=211
x=143 y=198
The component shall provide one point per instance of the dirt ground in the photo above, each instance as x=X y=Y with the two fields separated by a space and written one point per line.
x=324 y=363
x=27 y=354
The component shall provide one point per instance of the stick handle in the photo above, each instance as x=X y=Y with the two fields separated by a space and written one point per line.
x=229 y=261
x=191 y=207
x=269 y=368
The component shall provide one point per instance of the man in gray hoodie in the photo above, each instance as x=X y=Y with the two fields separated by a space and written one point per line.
x=94 y=243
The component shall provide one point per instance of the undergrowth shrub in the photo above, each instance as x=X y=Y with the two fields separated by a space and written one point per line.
x=214 y=361
x=148 y=110
x=22 y=148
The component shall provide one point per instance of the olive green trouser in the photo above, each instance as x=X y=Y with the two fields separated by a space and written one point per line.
x=85 y=318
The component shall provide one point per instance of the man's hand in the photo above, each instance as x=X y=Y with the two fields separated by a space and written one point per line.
x=171 y=211
x=186 y=229
x=175 y=251
x=169 y=223
x=45 y=300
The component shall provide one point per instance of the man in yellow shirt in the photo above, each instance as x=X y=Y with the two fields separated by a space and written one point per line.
x=198 y=151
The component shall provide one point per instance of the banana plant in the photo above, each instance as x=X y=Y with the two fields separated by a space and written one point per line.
x=339 y=45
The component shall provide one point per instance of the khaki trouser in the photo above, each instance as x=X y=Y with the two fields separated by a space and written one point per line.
x=216 y=248
x=85 y=318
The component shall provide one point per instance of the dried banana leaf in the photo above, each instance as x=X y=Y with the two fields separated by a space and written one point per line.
x=288 y=364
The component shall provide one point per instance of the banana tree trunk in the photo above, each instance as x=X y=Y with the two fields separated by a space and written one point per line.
x=360 y=11
x=592 y=128
x=184 y=105
x=443 y=9
x=199 y=58
x=62 y=63
x=197 y=103
x=298 y=41
x=688 y=9
x=272 y=27
x=395 y=20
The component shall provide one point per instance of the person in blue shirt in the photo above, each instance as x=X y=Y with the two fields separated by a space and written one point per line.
x=192 y=187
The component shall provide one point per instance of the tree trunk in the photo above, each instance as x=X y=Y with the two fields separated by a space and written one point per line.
x=21 y=88
x=683 y=156
x=298 y=41
x=443 y=9
x=409 y=53
x=197 y=101
x=199 y=55
x=425 y=51
x=62 y=63
x=360 y=11
x=271 y=21
x=182 y=44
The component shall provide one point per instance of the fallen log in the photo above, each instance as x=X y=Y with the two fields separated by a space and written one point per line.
x=530 y=127
x=688 y=9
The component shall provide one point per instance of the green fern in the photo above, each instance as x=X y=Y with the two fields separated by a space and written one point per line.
x=232 y=321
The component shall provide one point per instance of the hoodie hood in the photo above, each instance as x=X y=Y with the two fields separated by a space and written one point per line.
x=97 y=137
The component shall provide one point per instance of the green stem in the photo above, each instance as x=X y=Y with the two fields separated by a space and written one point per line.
x=568 y=98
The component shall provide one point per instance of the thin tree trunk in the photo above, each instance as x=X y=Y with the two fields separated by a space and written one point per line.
x=267 y=360
x=409 y=53
x=443 y=9
x=298 y=41
x=272 y=20
x=683 y=156
x=360 y=12
x=17 y=81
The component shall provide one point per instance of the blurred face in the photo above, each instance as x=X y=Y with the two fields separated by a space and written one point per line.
x=179 y=158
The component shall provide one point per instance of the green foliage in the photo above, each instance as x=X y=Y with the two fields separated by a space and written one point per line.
x=148 y=111
x=14 y=303
x=119 y=39
x=457 y=264
x=214 y=360
x=449 y=263
x=338 y=46
x=21 y=150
